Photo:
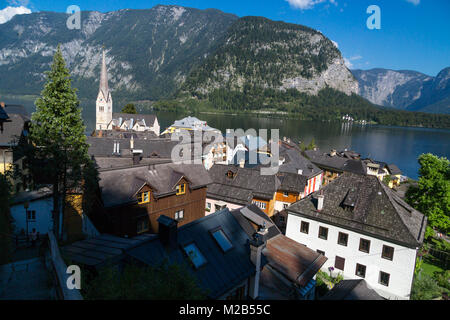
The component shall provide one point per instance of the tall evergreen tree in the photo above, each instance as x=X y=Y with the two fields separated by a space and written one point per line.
x=5 y=225
x=58 y=133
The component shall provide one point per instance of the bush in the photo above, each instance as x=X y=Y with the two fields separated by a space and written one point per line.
x=425 y=288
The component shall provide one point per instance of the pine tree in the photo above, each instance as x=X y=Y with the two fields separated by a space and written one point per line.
x=129 y=108
x=58 y=133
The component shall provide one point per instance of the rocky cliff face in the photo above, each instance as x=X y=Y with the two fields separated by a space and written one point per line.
x=407 y=90
x=152 y=53
x=149 y=52
x=277 y=55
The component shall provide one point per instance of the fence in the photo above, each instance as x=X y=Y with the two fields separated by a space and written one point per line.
x=442 y=257
x=60 y=267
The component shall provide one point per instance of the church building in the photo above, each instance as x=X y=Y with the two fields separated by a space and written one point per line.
x=106 y=120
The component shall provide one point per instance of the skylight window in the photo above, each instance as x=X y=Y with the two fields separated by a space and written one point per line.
x=195 y=255
x=222 y=240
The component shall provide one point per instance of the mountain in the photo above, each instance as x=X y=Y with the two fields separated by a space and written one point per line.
x=149 y=52
x=406 y=90
x=258 y=52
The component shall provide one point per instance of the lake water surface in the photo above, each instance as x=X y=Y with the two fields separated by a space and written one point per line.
x=399 y=145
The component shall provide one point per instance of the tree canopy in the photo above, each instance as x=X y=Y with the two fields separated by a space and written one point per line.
x=129 y=108
x=432 y=194
x=164 y=282
x=57 y=132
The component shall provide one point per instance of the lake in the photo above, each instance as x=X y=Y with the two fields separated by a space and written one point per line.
x=399 y=145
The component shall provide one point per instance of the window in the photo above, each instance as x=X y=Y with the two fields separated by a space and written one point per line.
x=321 y=252
x=364 y=245
x=304 y=227
x=384 y=278
x=208 y=205
x=388 y=253
x=285 y=205
x=343 y=239
x=179 y=215
x=360 y=270
x=194 y=255
x=285 y=194
x=181 y=189
x=144 y=197
x=323 y=233
x=339 y=263
x=259 y=204
x=31 y=215
x=222 y=240
x=142 y=225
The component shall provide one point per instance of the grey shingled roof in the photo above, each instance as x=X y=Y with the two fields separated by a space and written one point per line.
x=356 y=289
x=25 y=196
x=394 y=170
x=378 y=211
x=222 y=271
x=12 y=130
x=339 y=162
x=246 y=184
x=119 y=186
x=161 y=148
x=294 y=161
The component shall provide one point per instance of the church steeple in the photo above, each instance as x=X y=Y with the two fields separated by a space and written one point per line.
x=104 y=79
x=104 y=99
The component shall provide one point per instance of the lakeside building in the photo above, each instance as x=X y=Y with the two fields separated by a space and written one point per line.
x=335 y=163
x=133 y=198
x=189 y=124
x=364 y=229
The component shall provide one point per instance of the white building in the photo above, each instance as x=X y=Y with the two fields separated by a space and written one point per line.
x=364 y=229
x=32 y=210
x=104 y=104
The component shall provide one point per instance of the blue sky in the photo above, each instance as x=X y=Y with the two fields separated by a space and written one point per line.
x=414 y=34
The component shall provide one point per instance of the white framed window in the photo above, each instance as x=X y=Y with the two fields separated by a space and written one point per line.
x=179 y=215
x=259 y=204
x=285 y=194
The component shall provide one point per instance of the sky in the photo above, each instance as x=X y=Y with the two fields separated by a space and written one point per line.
x=413 y=34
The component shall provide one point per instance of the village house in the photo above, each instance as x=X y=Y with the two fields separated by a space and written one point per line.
x=364 y=229
x=15 y=132
x=189 y=124
x=107 y=120
x=32 y=210
x=134 y=197
x=291 y=267
x=234 y=187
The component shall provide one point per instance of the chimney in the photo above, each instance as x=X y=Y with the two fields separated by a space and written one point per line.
x=136 y=158
x=242 y=163
x=300 y=171
x=320 y=199
x=2 y=104
x=257 y=245
x=167 y=231
x=132 y=143
x=333 y=153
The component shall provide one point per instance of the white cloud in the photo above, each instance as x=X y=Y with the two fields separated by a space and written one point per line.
x=9 y=12
x=414 y=2
x=304 y=4
x=348 y=62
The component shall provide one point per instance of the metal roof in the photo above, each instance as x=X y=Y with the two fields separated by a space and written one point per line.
x=222 y=270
